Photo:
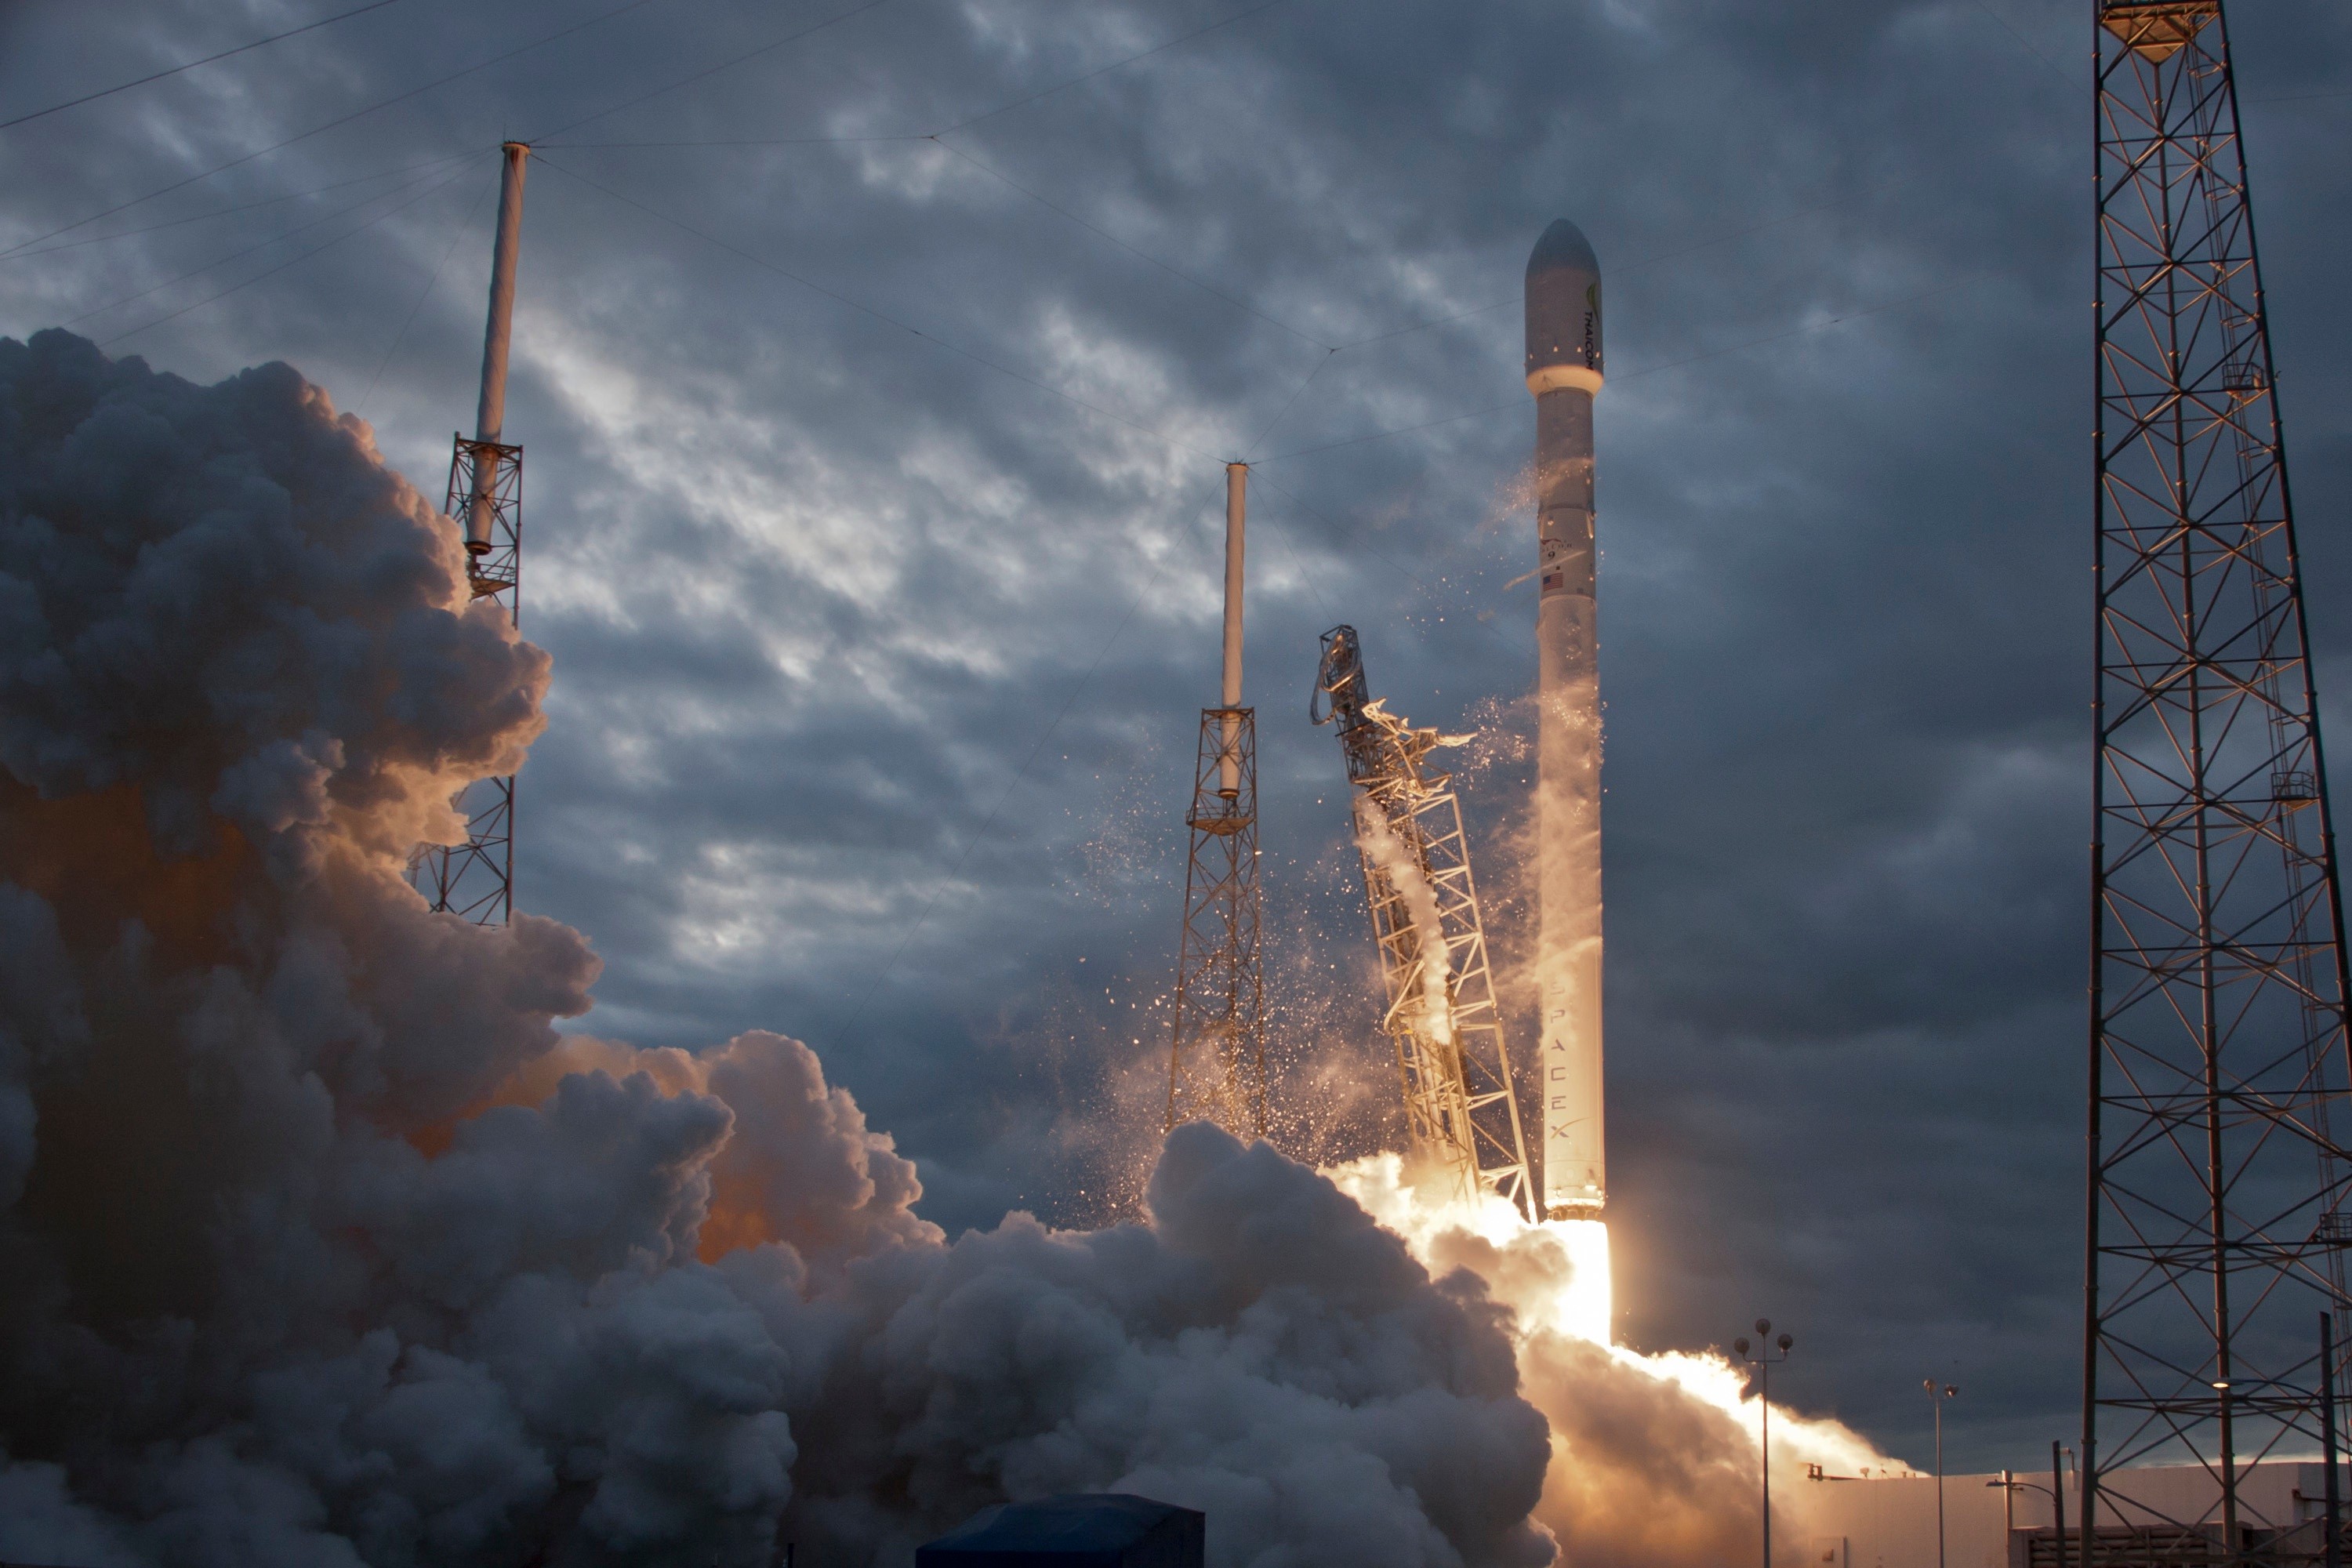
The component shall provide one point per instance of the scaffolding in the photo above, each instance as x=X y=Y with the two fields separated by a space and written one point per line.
x=1462 y=1108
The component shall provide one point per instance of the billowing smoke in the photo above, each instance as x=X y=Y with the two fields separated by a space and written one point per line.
x=323 y=1246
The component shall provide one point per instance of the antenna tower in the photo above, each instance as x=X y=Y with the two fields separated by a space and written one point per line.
x=2217 y=1185
x=476 y=878
x=1216 y=1060
x=1462 y=1113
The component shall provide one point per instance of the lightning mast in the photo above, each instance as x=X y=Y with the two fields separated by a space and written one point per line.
x=1216 y=1060
x=2218 y=1186
x=476 y=878
x=1462 y=1113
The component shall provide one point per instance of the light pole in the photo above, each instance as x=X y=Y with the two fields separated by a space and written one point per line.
x=1939 y=1392
x=1763 y=1361
x=2332 y=1555
x=2010 y=1486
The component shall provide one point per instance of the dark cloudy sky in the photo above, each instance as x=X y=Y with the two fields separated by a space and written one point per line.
x=876 y=389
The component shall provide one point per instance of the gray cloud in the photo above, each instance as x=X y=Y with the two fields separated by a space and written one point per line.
x=816 y=588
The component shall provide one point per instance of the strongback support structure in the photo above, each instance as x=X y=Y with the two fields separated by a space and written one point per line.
x=476 y=878
x=1216 y=1060
x=1462 y=1113
x=2217 y=1185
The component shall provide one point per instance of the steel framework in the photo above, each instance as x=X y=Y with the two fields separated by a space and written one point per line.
x=1216 y=1061
x=1462 y=1110
x=476 y=878
x=2216 y=1212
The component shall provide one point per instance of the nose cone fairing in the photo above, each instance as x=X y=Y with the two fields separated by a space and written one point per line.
x=1563 y=301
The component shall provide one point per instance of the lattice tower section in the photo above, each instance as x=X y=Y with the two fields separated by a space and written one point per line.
x=476 y=878
x=2217 y=1042
x=1462 y=1110
x=1216 y=1064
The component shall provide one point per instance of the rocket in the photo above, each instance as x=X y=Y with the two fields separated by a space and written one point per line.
x=1563 y=301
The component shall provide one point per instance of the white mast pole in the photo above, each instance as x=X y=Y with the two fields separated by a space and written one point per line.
x=490 y=414
x=1236 y=529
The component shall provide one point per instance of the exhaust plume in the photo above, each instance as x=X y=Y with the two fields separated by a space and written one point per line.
x=1655 y=1458
x=324 y=1247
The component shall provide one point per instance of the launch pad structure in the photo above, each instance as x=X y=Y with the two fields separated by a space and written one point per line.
x=1217 y=1058
x=476 y=878
x=2218 y=1183
x=1462 y=1109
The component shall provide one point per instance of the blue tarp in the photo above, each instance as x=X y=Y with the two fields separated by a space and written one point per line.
x=1102 y=1530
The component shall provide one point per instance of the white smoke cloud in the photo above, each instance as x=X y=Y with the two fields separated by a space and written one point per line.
x=325 y=1248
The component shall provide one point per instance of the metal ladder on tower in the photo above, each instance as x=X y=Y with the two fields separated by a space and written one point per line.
x=1462 y=1107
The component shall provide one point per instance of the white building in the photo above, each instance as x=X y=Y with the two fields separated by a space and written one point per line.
x=2162 y=1515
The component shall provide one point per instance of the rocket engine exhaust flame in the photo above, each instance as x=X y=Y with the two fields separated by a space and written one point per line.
x=1654 y=1457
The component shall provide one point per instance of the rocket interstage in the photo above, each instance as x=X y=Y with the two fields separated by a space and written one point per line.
x=1564 y=368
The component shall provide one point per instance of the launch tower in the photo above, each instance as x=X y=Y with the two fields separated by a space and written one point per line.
x=1216 y=1060
x=1462 y=1112
x=476 y=878
x=2217 y=1182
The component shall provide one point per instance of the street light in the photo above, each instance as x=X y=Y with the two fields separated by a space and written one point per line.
x=1764 y=1360
x=1939 y=1393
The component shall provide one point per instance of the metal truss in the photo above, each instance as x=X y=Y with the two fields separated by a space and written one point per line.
x=2217 y=1187
x=476 y=878
x=1462 y=1110
x=1216 y=1060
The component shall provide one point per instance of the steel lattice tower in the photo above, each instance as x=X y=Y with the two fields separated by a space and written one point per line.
x=1216 y=1055
x=1462 y=1112
x=2218 y=988
x=1216 y=1065
x=476 y=878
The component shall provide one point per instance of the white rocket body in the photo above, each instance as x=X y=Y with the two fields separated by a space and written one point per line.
x=1563 y=301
